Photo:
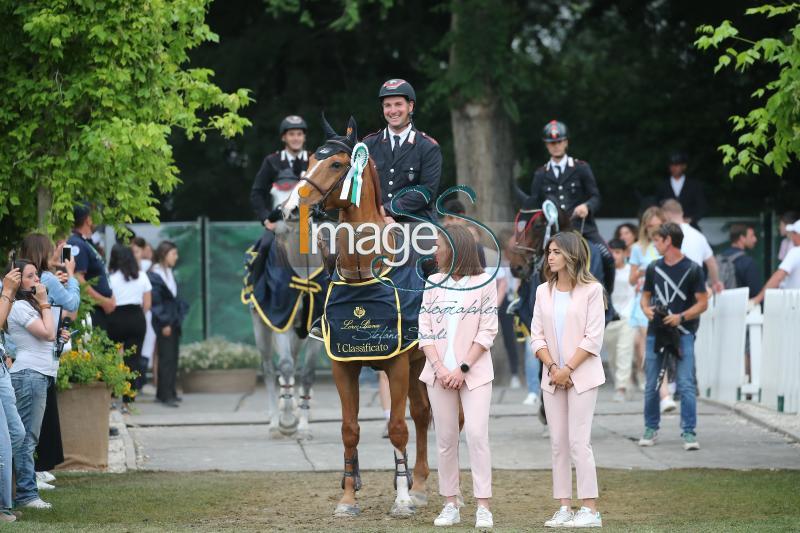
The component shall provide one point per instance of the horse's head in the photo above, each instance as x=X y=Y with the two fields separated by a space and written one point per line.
x=526 y=247
x=328 y=167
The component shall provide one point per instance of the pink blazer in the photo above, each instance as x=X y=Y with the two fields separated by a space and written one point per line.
x=583 y=328
x=478 y=323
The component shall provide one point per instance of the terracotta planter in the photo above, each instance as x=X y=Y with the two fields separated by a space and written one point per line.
x=83 y=414
x=240 y=380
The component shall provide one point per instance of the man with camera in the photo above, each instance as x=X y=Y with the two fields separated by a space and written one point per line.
x=673 y=298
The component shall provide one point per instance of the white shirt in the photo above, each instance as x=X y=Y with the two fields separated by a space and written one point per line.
x=695 y=245
x=403 y=134
x=677 y=184
x=32 y=352
x=129 y=292
x=286 y=155
x=624 y=293
x=791 y=265
x=562 y=165
x=561 y=301
x=169 y=279
x=453 y=319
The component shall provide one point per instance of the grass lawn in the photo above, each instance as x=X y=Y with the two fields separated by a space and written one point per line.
x=677 y=500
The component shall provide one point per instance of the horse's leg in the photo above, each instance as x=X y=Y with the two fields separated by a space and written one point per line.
x=286 y=346
x=307 y=373
x=397 y=369
x=263 y=336
x=345 y=375
x=421 y=414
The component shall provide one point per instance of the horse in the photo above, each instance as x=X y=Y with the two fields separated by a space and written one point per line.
x=280 y=289
x=328 y=185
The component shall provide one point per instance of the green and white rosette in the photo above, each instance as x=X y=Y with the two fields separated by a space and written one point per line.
x=354 y=181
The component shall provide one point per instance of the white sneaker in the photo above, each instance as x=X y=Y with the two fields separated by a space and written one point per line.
x=483 y=518
x=531 y=399
x=668 y=405
x=449 y=516
x=47 y=477
x=561 y=517
x=43 y=485
x=515 y=383
x=38 y=503
x=585 y=518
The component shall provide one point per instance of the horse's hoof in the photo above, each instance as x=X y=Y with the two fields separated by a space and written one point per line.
x=420 y=499
x=275 y=433
x=345 y=510
x=403 y=509
x=304 y=434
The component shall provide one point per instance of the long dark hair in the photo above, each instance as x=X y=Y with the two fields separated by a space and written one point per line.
x=162 y=250
x=123 y=260
x=27 y=296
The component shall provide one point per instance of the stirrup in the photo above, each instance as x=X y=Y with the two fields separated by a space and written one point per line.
x=407 y=474
x=355 y=474
x=305 y=403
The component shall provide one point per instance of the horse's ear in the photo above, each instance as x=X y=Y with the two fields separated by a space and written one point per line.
x=352 y=130
x=329 y=131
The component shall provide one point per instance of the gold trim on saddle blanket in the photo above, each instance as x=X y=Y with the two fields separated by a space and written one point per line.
x=304 y=286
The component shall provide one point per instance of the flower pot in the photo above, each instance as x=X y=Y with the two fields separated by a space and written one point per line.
x=83 y=414
x=239 y=380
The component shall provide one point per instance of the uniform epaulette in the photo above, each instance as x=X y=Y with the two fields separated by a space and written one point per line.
x=580 y=162
x=434 y=141
x=372 y=134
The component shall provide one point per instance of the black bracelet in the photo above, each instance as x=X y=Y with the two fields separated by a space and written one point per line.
x=571 y=369
x=550 y=366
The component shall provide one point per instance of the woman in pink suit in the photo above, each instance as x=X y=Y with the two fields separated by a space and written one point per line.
x=456 y=330
x=567 y=334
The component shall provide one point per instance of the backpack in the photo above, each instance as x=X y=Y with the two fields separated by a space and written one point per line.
x=727 y=269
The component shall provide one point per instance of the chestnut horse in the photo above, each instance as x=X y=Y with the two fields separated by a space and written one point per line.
x=321 y=188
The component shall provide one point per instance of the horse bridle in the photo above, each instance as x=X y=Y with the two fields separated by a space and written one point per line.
x=536 y=214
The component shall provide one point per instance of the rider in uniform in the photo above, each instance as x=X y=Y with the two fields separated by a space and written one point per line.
x=403 y=155
x=567 y=182
x=280 y=171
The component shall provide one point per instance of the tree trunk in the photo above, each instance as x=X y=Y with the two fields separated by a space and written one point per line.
x=44 y=202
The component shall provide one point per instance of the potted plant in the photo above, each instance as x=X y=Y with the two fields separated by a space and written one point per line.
x=87 y=376
x=217 y=365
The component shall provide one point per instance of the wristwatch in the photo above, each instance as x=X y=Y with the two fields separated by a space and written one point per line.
x=464 y=367
x=683 y=317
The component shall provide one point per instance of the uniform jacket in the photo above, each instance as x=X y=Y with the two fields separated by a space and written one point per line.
x=692 y=198
x=418 y=161
x=574 y=187
x=583 y=328
x=478 y=323
x=260 y=198
x=168 y=310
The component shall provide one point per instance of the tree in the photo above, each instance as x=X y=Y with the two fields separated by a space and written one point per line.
x=91 y=92
x=769 y=132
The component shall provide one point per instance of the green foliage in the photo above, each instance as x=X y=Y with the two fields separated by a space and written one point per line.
x=768 y=133
x=91 y=92
x=218 y=354
x=96 y=358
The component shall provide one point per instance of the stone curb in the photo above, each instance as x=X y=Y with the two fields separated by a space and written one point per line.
x=755 y=419
x=121 y=458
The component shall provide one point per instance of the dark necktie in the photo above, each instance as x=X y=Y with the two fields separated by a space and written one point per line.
x=396 y=144
x=556 y=170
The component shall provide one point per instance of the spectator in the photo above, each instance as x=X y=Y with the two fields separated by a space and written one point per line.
x=788 y=274
x=786 y=243
x=736 y=268
x=627 y=232
x=169 y=310
x=689 y=193
x=12 y=432
x=695 y=245
x=127 y=324
x=619 y=334
x=144 y=255
x=675 y=284
x=32 y=328
x=142 y=252
x=643 y=252
x=64 y=291
x=90 y=267
x=456 y=207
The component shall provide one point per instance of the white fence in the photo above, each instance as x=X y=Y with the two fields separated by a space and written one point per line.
x=728 y=333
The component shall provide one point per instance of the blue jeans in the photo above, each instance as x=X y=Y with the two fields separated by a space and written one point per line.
x=31 y=391
x=532 y=364
x=12 y=435
x=684 y=380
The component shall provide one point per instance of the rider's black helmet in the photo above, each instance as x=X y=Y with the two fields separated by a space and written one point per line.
x=293 y=122
x=397 y=87
x=678 y=158
x=554 y=131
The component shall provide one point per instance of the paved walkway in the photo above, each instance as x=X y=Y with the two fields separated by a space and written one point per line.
x=229 y=432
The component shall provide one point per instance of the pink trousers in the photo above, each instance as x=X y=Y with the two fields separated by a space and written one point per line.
x=569 y=417
x=476 y=402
